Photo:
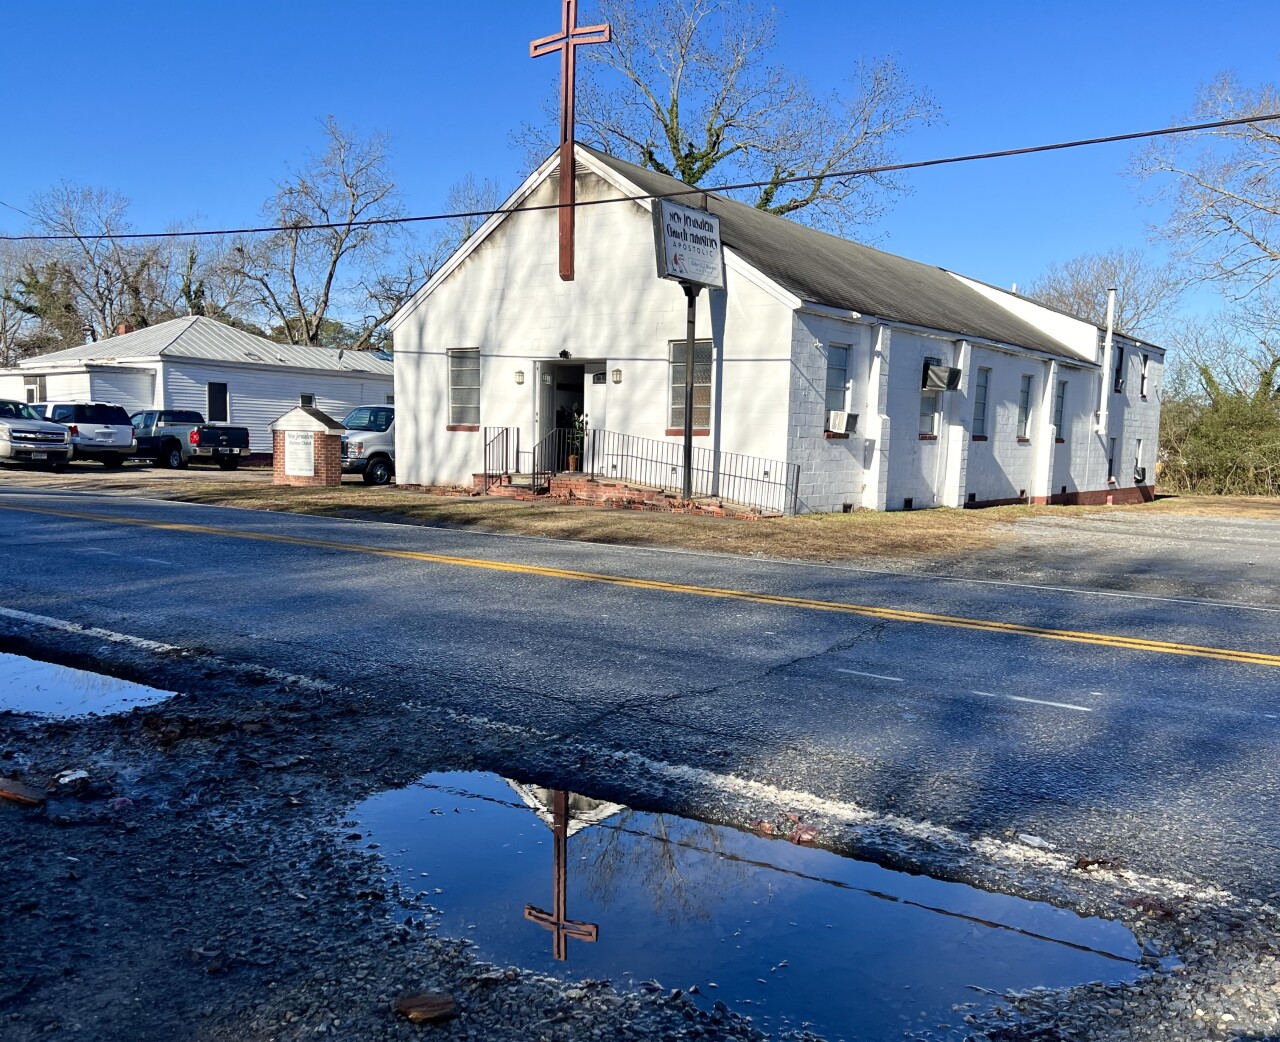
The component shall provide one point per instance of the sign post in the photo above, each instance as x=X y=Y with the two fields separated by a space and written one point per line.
x=690 y=252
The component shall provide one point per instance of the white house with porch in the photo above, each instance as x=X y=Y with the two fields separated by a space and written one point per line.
x=828 y=375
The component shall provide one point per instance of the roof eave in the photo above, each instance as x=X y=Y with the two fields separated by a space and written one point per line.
x=464 y=251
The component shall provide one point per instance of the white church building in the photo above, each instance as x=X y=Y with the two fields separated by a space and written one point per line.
x=829 y=375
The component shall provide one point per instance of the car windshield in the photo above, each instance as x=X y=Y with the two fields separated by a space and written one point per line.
x=367 y=419
x=101 y=414
x=16 y=411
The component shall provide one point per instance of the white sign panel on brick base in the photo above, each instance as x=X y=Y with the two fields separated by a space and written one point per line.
x=299 y=454
x=688 y=244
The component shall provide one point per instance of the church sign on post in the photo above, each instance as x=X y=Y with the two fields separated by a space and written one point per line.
x=688 y=244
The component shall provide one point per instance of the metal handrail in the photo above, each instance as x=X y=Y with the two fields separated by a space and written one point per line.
x=546 y=456
x=751 y=481
x=498 y=454
x=770 y=486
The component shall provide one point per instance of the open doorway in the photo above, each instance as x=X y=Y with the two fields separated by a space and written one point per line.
x=568 y=383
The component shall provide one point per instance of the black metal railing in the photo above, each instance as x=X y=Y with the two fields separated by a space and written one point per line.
x=770 y=486
x=767 y=485
x=501 y=453
x=561 y=450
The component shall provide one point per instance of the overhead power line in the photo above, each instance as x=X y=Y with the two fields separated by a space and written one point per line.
x=834 y=175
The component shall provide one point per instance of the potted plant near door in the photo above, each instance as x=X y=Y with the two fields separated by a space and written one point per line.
x=577 y=440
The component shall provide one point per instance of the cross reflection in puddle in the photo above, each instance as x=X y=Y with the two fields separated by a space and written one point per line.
x=792 y=935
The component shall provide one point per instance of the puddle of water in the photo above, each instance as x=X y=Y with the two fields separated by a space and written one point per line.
x=30 y=686
x=791 y=936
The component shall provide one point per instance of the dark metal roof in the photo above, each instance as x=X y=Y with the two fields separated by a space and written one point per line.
x=824 y=269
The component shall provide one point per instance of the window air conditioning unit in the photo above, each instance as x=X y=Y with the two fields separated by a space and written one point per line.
x=940 y=378
x=838 y=421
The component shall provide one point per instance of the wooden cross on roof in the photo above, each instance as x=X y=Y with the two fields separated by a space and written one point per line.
x=557 y=920
x=567 y=41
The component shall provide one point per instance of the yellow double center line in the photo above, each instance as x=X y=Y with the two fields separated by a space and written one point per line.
x=1253 y=658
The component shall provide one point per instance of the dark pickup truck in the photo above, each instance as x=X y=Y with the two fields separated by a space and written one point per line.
x=175 y=437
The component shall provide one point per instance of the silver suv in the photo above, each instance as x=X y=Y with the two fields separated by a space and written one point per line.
x=26 y=438
x=98 y=430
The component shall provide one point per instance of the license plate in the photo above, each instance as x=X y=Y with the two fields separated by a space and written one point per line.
x=39 y=455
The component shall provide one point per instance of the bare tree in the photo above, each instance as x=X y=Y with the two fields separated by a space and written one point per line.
x=687 y=88
x=110 y=279
x=1146 y=292
x=1236 y=351
x=1224 y=187
x=82 y=285
x=16 y=323
x=390 y=287
x=303 y=273
x=471 y=197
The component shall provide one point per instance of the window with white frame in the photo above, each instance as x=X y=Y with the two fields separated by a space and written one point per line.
x=1111 y=459
x=981 y=386
x=1142 y=386
x=464 y=387
x=701 y=384
x=1024 y=406
x=929 y=402
x=837 y=378
x=35 y=389
x=1059 y=406
x=1117 y=384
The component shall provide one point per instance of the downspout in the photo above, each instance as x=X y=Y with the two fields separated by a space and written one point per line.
x=1103 y=396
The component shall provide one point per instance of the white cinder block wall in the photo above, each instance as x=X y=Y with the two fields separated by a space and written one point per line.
x=505 y=298
x=917 y=467
x=831 y=468
x=999 y=465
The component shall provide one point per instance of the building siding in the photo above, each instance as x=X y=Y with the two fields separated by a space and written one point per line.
x=257 y=397
x=507 y=300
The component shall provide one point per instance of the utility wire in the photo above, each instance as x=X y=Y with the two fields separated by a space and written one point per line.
x=15 y=209
x=834 y=175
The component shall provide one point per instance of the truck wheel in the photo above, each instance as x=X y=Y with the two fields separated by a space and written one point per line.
x=378 y=472
x=171 y=456
x=228 y=462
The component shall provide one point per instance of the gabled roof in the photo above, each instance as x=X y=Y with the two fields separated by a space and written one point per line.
x=208 y=339
x=825 y=269
x=307 y=418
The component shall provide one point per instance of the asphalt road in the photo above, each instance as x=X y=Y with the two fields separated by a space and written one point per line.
x=1166 y=757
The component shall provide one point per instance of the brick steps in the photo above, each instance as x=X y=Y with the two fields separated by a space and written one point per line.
x=571 y=490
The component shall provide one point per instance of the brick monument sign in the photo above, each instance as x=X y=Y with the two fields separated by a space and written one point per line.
x=306 y=448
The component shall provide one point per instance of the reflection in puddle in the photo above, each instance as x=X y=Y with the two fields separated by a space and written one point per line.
x=29 y=686
x=791 y=936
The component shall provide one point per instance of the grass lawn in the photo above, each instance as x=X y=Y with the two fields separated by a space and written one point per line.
x=812 y=537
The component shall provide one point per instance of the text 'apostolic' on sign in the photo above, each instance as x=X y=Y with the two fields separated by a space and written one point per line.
x=688 y=244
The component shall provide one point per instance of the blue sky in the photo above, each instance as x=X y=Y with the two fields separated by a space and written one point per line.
x=195 y=111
